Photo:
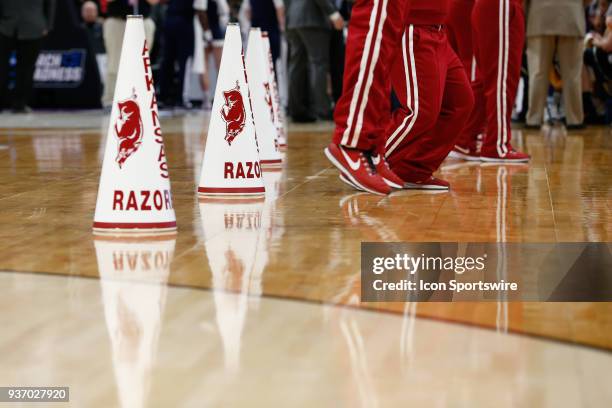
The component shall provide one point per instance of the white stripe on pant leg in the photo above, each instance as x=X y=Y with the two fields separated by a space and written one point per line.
x=374 y=62
x=408 y=90
x=505 y=83
x=473 y=73
x=499 y=74
x=391 y=144
x=346 y=137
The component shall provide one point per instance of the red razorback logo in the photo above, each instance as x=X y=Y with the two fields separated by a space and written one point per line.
x=128 y=129
x=233 y=113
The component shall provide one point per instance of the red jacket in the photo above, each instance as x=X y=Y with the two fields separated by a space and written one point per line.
x=426 y=12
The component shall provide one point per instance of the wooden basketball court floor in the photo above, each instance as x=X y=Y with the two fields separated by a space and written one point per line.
x=257 y=304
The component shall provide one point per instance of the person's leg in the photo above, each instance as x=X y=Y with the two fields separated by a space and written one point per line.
x=316 y=42
x=422 y=157
x=113 y=39
x=569 y=50
x=500 y=30
x=27 y=53
x=418 y=81
x=170 y=55
x=336 y=57
x=184 y=51
x=363 y=111
x=298 y=76
x=460 y=35
x=459 y=30
x=275 y=46
x=540 y=53
x=6 y=46
x=149 y=26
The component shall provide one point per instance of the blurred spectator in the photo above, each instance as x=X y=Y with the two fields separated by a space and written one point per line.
x=178 y=38
x=80 y=3
x=596 y=16
x=597 y=57
x=23 y=24
x=114 y=26
x=555 y=26
x=93 y=27
x=200 y=26
x=337 y=49
x=269 y=15
x=309 y=25
x=218 y=15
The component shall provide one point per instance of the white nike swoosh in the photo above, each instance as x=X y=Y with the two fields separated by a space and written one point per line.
x=376 y=159
x=354 y=165
x=462 y=150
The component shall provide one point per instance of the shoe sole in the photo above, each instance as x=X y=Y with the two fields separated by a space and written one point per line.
x=501 y=160
x=414 y=186
x=462 y=156
x=348 y=182
x=340 y=167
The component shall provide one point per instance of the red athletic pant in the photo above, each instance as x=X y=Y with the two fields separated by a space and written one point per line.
x=436 y=100
x=460 y=36
x=364 y=109
x=499 y=36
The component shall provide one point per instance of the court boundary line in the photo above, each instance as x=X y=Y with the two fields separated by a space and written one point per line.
x=513 y=332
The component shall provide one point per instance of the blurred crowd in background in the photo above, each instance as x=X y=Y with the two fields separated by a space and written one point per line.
x=567 y=74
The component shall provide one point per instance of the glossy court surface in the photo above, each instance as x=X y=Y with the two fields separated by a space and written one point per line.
x=257 y=303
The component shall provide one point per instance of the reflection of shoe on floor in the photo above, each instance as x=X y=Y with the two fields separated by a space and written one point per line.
x=464 y=153
x=457 y=165
x=432 y=183
x=357 y=167
x=511 y=157
x=360 y=209
x=383 y=169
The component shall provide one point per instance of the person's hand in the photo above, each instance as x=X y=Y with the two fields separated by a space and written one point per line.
x=339 y=24
x=208 y=37
x=337 y=21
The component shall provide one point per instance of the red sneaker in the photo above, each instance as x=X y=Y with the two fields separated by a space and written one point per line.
x=355 y=166
x=432 y=183
x=511 y=157
x=383 y=169
x=464 y=153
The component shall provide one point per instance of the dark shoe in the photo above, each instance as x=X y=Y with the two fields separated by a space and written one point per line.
x=329 y=117
x=532 y=127
x=303 y=119
x=579 y=126
x=22 y=109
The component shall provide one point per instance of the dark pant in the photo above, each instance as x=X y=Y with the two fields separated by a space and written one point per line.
x=336 y=57
x=27 y=53
x=178 y=46
x=309 y=63
x=598 y=59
